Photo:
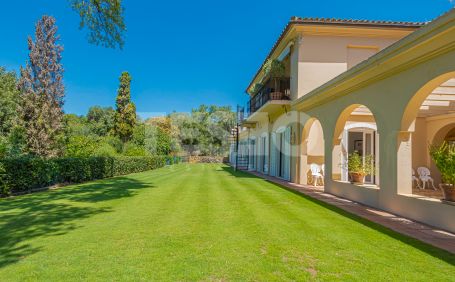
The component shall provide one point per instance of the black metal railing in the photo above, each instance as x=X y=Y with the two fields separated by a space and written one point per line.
x=274 y=89
x=240 y=114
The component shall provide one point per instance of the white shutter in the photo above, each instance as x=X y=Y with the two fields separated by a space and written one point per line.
x=273 y=156
x=287 y=154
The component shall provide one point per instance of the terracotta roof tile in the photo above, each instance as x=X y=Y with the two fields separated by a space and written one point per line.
x=355 y=22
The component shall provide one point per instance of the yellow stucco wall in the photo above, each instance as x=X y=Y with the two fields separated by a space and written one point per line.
x=324 y=57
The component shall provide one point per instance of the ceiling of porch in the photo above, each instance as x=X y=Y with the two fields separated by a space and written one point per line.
x=440 y=101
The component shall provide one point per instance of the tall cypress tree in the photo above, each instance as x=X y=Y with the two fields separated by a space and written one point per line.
x=125 y=116
x=42 y=90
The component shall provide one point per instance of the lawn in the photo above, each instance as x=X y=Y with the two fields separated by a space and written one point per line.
x=200 y=222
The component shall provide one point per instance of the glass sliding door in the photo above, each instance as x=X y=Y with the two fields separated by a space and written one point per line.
x=264 y=154
x=363 y=141
x=368 y=149
x=281 y=155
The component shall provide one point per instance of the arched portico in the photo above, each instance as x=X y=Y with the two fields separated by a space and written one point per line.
x=355 y=132
x=312 y=151
x=393 y=86
x=427 y=120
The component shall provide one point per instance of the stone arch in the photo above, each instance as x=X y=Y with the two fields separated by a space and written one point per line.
x=419 y=97
x=355 y=130
x=312 y=150
x=427 y=118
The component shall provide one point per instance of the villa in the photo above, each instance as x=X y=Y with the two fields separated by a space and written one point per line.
x=381 y=89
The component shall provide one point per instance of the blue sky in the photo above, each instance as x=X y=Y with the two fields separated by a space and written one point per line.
x=181 y=53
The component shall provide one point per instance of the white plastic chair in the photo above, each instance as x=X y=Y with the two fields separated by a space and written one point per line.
x=424 y=176
x=415 y=179
x=316 y=174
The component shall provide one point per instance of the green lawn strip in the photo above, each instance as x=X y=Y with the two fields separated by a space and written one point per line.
x=200 y=222
x=356 y=243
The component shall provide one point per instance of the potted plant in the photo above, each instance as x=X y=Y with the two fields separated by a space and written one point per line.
x=444 y=158
x=358 y=168
x=275 y=69
x=256 y=88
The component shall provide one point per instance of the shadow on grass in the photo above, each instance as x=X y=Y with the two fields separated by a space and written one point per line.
x=54 y=213
x=236 y=173
x=422 y=246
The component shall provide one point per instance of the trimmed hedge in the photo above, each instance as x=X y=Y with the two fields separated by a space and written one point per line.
x=25 y=174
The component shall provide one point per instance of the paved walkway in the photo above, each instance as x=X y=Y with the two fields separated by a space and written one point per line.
x=430 y=235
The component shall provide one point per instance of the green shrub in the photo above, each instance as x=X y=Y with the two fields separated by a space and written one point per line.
x=134 y=150
x=81 y=146
x=114 y=142
x=27 y=173
x=73 y=170
x=105 y=150
x=24 y=174
x=356 y=164
x=3 y=146
x=444 y=158
x=4 y=189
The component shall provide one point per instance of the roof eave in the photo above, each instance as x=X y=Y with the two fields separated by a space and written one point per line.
x=295 y=21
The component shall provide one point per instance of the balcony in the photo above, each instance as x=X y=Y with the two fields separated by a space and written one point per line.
x=274 y=92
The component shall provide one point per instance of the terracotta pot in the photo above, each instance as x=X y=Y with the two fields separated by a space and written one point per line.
x=448 y=191
x=357 y=177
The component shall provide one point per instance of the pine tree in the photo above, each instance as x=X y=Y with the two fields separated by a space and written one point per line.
x=125 y=116
x=42 y=90
x=103 y=19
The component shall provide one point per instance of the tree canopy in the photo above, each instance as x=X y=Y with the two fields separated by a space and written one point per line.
x=103 y=19
x=42 y=90
x=125 y=116
x=9 y=99
x=205 y=130
x=101 y=120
